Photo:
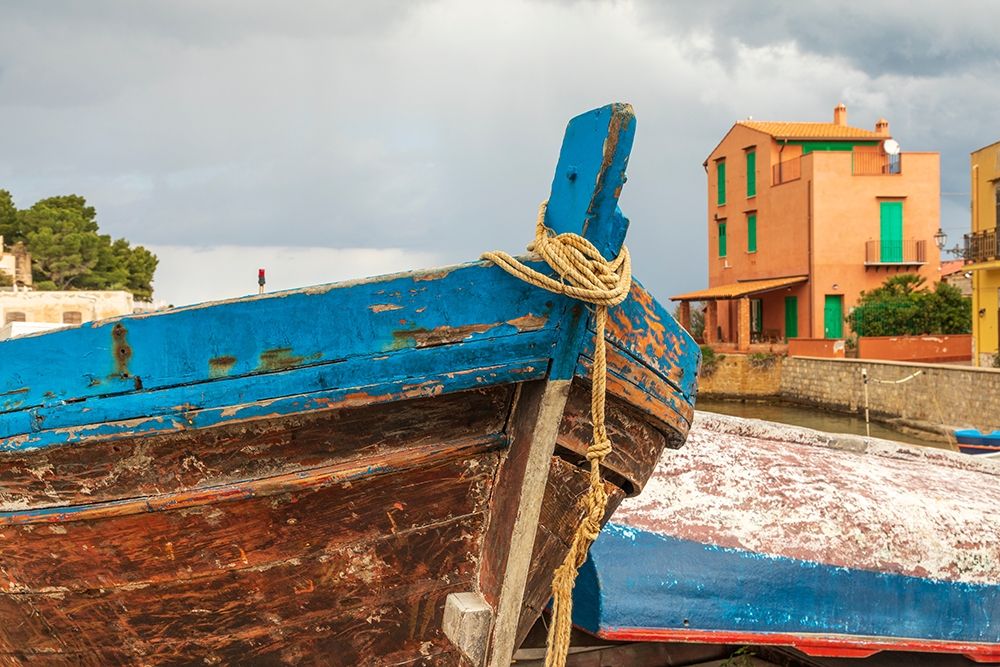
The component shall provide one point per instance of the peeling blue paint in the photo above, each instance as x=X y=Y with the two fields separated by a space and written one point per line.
x=637 y=579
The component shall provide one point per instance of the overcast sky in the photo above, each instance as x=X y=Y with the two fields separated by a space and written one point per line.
x=328 y=140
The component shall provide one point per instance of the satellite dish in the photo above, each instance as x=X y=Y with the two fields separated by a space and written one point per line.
x=891 y=147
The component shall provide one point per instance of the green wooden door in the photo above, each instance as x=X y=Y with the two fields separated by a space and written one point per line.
x=891 y=215
x=833 y=316
x=791 y=317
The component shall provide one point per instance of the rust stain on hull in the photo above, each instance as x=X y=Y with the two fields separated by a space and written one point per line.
x=281 y=358
x=219 y=366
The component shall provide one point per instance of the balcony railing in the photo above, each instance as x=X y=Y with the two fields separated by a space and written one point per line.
x=883 y=252
x=875 y=163
x=981 y=246
x=789 y=170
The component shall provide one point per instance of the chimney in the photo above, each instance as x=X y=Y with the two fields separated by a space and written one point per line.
x=840 y=114
x=882 y=127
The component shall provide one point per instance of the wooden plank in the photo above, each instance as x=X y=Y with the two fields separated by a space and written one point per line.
x=561 y=512
x=637 y=443
x=589 y=177
x=108 y=470
x=362 y=566
x=275 y=332
x=643 y=328
x=535 y=431
x=185 y=542
x=639 y=387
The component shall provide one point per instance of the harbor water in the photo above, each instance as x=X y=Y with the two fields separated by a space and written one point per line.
x=814 y=418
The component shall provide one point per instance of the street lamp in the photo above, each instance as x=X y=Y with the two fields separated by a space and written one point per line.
x=940 y=239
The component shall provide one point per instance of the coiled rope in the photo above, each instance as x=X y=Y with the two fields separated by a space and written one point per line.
x=587 y=276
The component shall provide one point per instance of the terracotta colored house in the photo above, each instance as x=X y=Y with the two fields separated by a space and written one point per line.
x=804 y=216
x=983 y=255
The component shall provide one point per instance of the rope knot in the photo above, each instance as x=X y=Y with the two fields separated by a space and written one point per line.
x=599 y=450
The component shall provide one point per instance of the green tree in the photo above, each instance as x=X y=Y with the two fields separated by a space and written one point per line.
x=903 y=305
x=8 y=217
x=68 y=252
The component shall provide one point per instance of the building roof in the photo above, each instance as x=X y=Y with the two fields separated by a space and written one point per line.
x=736 y=290
x=949 y=267
x=782 y=130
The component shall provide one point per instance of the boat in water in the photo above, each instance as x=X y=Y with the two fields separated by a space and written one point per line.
x=835 y=546
x=377 y=472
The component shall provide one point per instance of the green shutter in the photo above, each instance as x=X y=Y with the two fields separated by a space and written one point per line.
x=810 y=146
x=751 y=173
x=752 y=232
x=720 y=177
x=891 y=217
x=722 y=239
x=833 y=316
x=791 y=317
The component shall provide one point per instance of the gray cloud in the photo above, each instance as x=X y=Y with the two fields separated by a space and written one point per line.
x=433 y=127
x=906 y=37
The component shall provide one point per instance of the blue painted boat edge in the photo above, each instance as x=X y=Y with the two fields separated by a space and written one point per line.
x=639 y=579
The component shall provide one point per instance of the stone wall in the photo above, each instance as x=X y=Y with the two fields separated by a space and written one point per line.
x=742 y=375
x=951 y=395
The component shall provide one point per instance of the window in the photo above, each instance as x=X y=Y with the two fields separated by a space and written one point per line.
x=14 y=316
x=72 y=317
x=751 y=173
x=751 y=232
x=722 y=238
x=720 y=182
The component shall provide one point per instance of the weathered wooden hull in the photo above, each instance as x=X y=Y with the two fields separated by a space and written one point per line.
x=305 y=477
x=757 y=533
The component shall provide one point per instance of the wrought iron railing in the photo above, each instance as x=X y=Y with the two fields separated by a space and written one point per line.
x=789 y=170
x=875 y=163
x=981 y=246
x=885 y=252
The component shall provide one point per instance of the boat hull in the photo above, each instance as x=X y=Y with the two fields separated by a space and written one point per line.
x=307 y=476
x=762 y=534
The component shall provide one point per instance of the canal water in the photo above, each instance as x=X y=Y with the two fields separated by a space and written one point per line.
x=814 y=418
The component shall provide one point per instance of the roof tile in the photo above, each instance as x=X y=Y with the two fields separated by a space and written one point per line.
x=780 y=130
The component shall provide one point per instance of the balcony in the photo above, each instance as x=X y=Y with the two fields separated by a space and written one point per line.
x=789 y=170
x=875 y=163
x=882 y=252
x=981 y=246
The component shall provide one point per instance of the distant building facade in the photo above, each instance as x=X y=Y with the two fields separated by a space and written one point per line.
x=954 y=273
x=63 y=307
x=15 y=261
x=804 y=216
x=25 y=311
x=982 y=255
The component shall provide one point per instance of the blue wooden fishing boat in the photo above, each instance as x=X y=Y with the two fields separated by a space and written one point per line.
x=773 y=536
x=377 y=472
x=972 y=441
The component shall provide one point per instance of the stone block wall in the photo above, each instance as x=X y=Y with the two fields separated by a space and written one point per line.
x=739 y=375
x=961 y=396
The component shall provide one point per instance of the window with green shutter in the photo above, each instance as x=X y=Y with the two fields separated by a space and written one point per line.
x=751 y=173
x=720 y=179
x=722 y=239
x=751 y=232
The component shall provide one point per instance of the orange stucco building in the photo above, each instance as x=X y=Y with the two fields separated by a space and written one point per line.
x=804 y=216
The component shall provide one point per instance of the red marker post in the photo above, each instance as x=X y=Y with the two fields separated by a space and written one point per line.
x=260 y=281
